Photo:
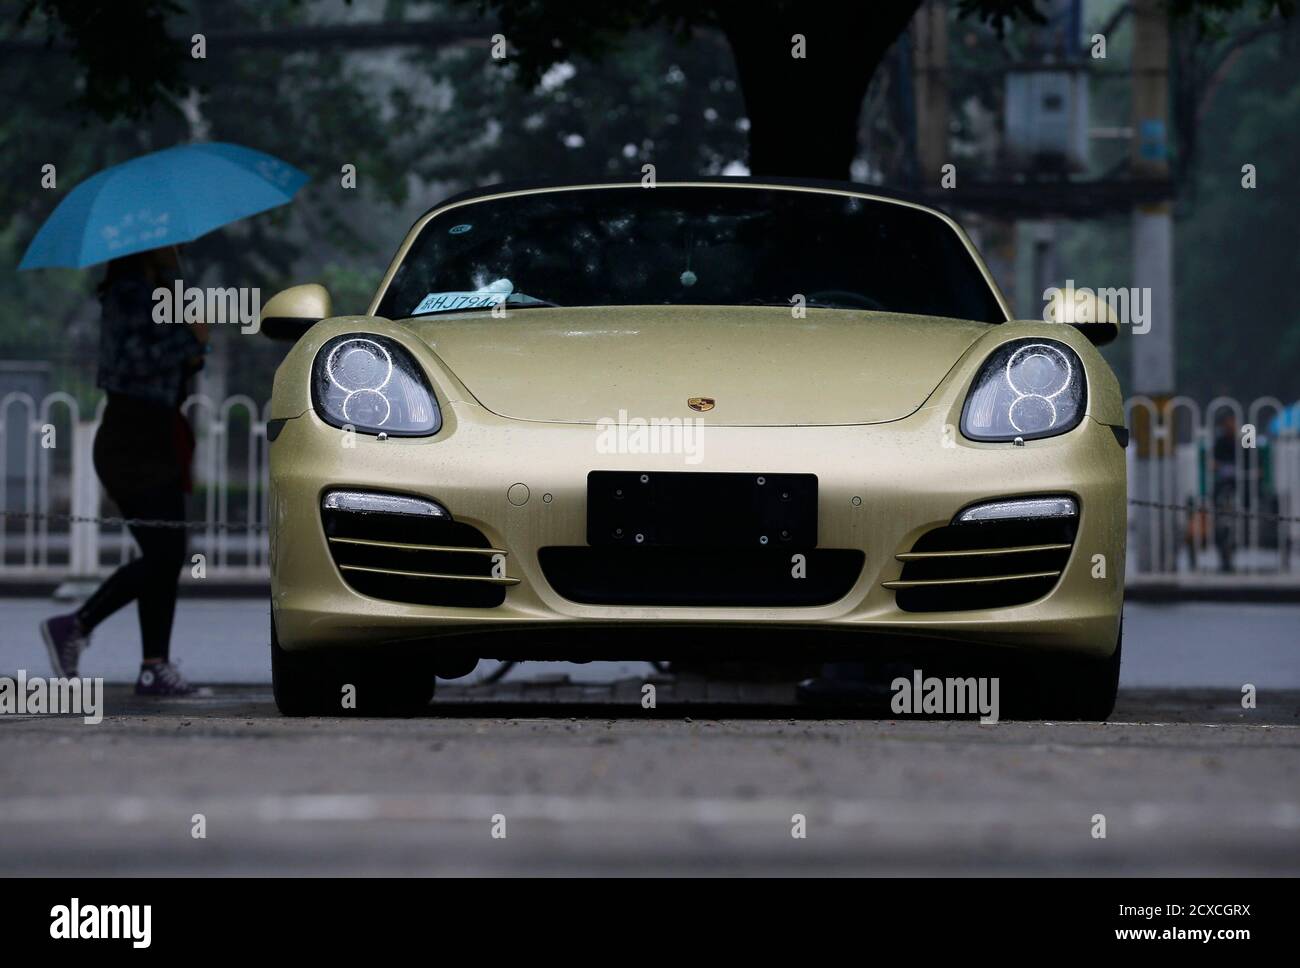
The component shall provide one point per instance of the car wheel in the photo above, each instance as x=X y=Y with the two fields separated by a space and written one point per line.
x=1076 y=688
x=314 y=685
x=298 y=682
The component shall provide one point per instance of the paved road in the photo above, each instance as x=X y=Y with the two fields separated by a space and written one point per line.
x=587 y=781
x=1188 y=783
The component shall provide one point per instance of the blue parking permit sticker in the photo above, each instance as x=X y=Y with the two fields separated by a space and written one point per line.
x=460 y=229
x=437 y=302
x=489 y=295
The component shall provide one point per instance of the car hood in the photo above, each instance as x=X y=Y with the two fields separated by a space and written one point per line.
x=760 y=365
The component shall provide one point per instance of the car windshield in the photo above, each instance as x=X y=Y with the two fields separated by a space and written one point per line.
x=699 y=246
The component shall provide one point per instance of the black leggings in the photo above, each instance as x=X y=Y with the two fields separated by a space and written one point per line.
x=141 y=487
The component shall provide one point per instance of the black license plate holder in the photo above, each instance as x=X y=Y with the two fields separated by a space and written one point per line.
x=685 y=509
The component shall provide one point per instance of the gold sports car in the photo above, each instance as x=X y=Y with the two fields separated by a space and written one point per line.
x=698 y=421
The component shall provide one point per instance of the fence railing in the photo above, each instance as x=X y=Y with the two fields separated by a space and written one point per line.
x=55 y=507
x=1213 y=489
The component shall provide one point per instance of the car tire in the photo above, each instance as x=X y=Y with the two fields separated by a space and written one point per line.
x=312 y=685
x=1077 y=688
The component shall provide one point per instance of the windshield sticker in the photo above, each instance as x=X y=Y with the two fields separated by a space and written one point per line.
x=489 y=295
x=459 y=229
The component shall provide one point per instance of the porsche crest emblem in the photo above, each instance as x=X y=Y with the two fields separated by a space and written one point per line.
x=701 y=404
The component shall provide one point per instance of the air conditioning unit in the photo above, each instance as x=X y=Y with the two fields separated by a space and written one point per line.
x=1045 y=118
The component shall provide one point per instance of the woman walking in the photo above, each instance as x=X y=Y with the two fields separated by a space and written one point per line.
x=142 y=455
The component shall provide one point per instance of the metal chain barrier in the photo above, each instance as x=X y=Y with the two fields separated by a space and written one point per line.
x=1211 y=509
x=135 y=522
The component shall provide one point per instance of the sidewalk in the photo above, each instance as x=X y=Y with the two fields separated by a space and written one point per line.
x=1210 y=587
x=1175 y=645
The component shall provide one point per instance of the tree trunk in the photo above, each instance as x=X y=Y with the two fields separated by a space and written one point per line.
x=804 y=111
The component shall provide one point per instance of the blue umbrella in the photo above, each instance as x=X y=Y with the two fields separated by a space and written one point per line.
x=165 y=198
x=1288 y=419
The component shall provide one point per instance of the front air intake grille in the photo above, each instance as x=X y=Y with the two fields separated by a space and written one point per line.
x=990 y=564
x=699 y=576
x=417 y=560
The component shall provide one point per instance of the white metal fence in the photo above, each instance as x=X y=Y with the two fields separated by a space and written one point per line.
x=1191 y=512
x=1213 y=489
x=51 y=495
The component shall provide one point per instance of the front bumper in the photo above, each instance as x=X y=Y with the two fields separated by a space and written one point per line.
x=523 y=485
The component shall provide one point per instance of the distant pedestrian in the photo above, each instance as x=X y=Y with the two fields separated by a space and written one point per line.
x=143 y=450
x=1226 y=449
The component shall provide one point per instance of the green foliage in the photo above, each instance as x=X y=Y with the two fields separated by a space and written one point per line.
x=350 y=286
x=125 y=49
x=317 y=111
x=676 y=105
x=1212 y=17
x=1235 y=248
x=1000 y=13
x=406 y=120
x=592 y=88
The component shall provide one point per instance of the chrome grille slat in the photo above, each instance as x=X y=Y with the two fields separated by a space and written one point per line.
x=978 y=552
x=981 y=580
x=420 y=560
x=410 y=546
x=429 y=574
x=982 y=565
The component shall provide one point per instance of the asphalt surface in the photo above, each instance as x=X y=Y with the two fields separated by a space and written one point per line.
x=1188 y=782
x=581 y=779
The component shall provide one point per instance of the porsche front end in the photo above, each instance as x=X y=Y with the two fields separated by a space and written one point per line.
x=687 y=480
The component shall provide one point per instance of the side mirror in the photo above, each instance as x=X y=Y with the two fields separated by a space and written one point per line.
x=289 y=314
x=1082 y=309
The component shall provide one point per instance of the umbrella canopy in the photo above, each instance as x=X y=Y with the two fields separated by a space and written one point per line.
x=1288 y=421
x=165 y=198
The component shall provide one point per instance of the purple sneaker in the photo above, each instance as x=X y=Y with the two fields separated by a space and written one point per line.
x=65 y=641
x=162 y=679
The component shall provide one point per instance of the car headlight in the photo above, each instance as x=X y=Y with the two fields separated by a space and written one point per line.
x=1027 y=388
x=371 y=384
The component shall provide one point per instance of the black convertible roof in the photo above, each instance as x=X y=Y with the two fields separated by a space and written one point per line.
x=843 y=186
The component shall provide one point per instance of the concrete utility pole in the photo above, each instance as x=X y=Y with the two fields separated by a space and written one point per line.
x=1153 y=235
x=1041 y=237
x=930 y=69
x=1153 y=373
